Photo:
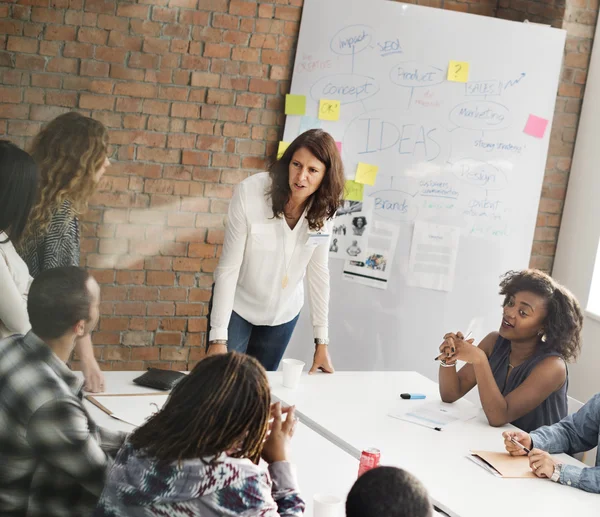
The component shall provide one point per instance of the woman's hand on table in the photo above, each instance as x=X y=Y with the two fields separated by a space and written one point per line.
x=321 y=360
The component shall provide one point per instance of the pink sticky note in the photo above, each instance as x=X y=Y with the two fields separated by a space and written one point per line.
x=536 y=126
x=339 y=146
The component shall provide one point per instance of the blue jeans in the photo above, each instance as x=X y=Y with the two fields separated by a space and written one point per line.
x=266 y=344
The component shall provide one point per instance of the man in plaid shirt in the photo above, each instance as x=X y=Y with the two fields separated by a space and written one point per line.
x=53 y=457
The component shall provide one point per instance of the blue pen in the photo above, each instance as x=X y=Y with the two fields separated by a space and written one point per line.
x=412 y=396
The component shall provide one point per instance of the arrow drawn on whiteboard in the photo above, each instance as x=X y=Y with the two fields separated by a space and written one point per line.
x=412 y=91
x=514 y=82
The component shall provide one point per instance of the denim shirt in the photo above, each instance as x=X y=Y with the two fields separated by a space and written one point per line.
x=578 y=432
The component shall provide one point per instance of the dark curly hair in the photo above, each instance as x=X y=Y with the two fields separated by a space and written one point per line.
x=564 y=318
x=328 y=197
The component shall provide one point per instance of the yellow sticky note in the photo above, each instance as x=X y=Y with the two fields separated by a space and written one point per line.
x=366 y=173
x=295 y=104
x=458 y=71
x=329 y=110
x=281 y=149
x=353 y=191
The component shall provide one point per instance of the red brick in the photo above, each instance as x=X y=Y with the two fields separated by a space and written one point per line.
x=158 y=123
x=155 y=46
x=245 y=54
x=112 y=23
x=161 y=309
x=10 y=94
x=46 y=15
x=156 y=107
x=266 y=11
x=180 y=46
x=95 y=36
x=161 y=14
x=137 y=60
x=176 y=30
x=112 y=55
x=130 y=309
x=247 y=25
x=232 y=114
x=94 y=68
x=158 y=155
x=34 y=96
x=23 y=128
x=49 y=48
x=194 y=158
x=79 y=50
x=173 y=294
x=19 y=111
x=29 y=62
x=217 y=50
x=118 y=39
x=242 y=8
x=139 y=338
x=570 y=90
x=173 y=93
x=136 y=90
x=145 y=28
x=25 y=45
x=174 y=354
x=100 y=6
x=145 y=353
x=133 y=11
x=201 y=250
x=288 y=13
x=189 y=309
x=250 y=100
x=61 y=64
x=202 y=127
x=167 y=338
x=220 y=97
x=56 y=33
x=181 y=141
x=61 y=98
x=254 y=69
x=194 y=18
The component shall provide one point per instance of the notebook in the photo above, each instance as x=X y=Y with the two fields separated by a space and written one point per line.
x=502 y=464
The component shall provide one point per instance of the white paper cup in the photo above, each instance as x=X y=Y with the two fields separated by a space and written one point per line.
x=292 y=369
x=327 y=506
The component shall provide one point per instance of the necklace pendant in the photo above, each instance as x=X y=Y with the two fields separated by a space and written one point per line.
x=284 y=282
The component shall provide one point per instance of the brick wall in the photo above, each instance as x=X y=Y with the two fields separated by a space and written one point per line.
x=192 y=93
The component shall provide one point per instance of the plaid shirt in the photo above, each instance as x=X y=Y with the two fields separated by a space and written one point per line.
x=53 y=457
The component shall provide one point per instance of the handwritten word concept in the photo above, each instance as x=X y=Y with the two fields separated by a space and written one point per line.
x=346 y=88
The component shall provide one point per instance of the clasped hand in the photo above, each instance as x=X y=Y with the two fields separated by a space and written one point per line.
x=456 y=348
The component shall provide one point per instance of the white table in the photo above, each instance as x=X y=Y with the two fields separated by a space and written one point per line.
x=322 y=467
x=351 y=408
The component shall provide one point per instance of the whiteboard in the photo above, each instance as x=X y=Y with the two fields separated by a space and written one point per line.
x=448 y=153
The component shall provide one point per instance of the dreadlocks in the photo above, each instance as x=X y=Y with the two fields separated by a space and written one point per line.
x=223 y=405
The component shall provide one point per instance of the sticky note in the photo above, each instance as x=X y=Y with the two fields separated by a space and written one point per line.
x=353 y=191
x=329 y=110
x=281 y=149
x=307 y=123
x=536 y=126
x=295 y=104
x=458 y=71
x=366 y=173
x=339 y=146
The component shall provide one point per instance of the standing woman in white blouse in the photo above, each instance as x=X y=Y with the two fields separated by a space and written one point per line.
x=18 y=188
x=279 y=230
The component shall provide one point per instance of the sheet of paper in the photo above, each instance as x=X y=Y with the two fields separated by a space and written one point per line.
x=353 y=191
x=307 y=123
x=281 y=149
x=536 y=126
x=133 y=409
x=351 y=227
x=366 y=173
x=506 y=465
x=433 y=256
x=376 y=269
x=458 y=71
x=437 y=415
x=329 y=109
x=295 y=104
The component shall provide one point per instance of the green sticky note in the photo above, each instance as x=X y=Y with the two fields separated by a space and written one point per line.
x=366 y=173
x=458 y=71
x=329 y=109
x=281 y=149
x=295 y=104
x=353 y=191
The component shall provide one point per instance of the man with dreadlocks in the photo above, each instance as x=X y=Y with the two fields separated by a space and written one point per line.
x=199 y=455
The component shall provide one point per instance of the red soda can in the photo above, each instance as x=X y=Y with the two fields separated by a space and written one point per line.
x=369 y=459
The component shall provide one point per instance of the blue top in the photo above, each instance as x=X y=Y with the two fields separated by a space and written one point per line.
x=551 y=410
x=577 y=433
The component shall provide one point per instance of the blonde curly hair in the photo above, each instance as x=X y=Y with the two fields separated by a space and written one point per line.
x=69 y=151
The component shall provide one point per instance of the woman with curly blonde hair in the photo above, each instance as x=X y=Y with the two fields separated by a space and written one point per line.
x=71 y=153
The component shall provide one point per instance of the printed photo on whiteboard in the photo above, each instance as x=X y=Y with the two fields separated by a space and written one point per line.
x=433 y=256
x=351 y=230
x=375 y=269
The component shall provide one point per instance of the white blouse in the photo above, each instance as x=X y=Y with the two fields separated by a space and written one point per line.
x=14 y=281
x=259 y=251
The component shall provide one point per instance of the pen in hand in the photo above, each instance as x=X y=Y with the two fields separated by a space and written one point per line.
x=521 y=446
x=441 y=356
